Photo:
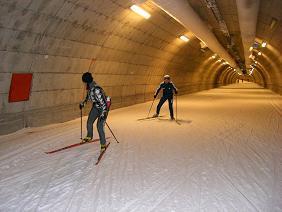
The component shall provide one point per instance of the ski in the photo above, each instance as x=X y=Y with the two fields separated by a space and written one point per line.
x=177 y=122
x=150 y=117
x=73 y=145
x=101 y=154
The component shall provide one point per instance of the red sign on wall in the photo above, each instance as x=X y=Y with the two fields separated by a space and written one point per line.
x=20 y=87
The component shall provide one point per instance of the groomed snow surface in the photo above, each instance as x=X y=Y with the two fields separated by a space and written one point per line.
x=224 y=155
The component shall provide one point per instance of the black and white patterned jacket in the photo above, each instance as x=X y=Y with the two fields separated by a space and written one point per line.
x=97 y=95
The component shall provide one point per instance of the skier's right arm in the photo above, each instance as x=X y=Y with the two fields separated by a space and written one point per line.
x=157 y=91
x=83 y=103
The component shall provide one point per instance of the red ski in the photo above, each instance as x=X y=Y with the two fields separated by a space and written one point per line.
x=74 y=145
x=101 y=154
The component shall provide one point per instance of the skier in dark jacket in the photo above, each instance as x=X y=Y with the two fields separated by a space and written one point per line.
x=168 y=90
x=99 y=109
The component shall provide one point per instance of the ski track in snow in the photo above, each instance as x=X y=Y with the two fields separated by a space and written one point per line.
x=224 y=155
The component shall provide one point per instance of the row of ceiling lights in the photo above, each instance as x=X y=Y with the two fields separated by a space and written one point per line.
x=253 y=57
x=220 y=60
x=184 y=38
x=264 y=44
x=140 y=11
x=224 y=63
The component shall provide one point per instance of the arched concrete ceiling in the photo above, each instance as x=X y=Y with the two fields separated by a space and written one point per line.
x=58 y=40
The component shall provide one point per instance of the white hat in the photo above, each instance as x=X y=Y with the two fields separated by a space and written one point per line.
x=166 y=76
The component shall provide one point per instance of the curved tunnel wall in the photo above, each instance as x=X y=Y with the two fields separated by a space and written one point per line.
x=58 y=40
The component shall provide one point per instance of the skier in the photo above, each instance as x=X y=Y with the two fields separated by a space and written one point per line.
x=100 y=109
x=168 y=87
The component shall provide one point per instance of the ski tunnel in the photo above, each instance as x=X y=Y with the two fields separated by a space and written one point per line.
x=223 y=151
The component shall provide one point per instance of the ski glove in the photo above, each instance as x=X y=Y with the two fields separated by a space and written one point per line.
x=81 y=105
x=104 y=115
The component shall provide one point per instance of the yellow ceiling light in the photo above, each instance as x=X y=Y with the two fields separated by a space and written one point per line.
x=251 y=48
x=214 y=56
x=256 y=62
x=140 y=11
x=184 y=38
x=203 y=44
x=263 y=44
x=259 y=53
x=251 y=72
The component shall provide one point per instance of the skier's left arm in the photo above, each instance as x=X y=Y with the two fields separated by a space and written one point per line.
x=174 y=88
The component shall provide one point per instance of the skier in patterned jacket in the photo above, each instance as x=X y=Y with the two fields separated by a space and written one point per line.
x=99 y=109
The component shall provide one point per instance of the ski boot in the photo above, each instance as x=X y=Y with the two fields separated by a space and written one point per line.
x=86 y=139
x=155 y=115
x=103 y=147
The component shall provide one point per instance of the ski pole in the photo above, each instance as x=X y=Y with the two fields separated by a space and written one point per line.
x=112 y=132
x=92 y=61
x=81 y=123
x=176 y=107
x=151 y=108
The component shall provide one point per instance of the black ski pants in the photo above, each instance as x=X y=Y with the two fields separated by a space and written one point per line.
x=93 y=115
x=170 y=104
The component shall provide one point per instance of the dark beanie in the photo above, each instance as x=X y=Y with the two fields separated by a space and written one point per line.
x=87 y=77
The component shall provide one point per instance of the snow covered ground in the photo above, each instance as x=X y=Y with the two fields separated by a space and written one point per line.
x=224 y=155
